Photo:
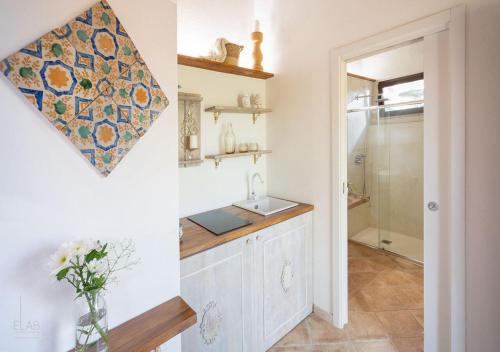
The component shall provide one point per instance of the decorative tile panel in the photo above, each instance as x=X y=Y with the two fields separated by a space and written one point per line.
x=91 y=83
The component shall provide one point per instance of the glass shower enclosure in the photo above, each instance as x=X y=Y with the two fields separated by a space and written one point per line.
x=385 y=167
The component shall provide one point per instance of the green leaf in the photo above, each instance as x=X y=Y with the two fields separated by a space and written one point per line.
x=86 y=84
x=56 y=49
x=140 y=74
x=123 y=92
x=26 y=72
x=62 y=274
x=60 y=107
x=91 y=256
x=82 y=35
x=157 y=100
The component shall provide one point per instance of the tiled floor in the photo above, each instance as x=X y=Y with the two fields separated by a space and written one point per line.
x=385 y=309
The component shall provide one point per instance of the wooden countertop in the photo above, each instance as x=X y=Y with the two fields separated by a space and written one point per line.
x=196 y=239
x=151 y=329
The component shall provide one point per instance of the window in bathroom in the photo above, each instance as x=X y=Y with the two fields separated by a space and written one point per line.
x=400 y=90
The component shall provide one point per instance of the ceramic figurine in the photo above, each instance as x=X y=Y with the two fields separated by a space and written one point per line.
x=256 y=100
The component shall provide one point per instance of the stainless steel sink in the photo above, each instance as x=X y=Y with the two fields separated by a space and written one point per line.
x=265 y=205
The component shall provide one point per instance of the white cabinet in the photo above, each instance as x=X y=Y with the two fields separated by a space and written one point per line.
x=250 y=292
x=217 y=285
x=284 y=278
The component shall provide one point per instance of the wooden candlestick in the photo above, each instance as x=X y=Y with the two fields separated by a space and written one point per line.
x=257 y=38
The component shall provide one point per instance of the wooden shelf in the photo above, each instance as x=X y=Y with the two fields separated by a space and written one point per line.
x=151 y=329
x=220 y=67
x=217 y=158
x=255 y=112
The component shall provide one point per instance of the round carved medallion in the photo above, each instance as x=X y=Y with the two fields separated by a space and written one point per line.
x=287 y=276
x=210 y=323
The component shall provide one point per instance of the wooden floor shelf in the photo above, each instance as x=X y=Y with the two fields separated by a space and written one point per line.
x=255 y=112
x=220 y=67
x=217 y=158
x=153 y=328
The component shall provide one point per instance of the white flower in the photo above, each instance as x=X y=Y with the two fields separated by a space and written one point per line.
x=83 y=247
x=96 y=266
x=61 y=258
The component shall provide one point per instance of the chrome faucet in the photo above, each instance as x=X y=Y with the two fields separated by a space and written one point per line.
x=253 y=195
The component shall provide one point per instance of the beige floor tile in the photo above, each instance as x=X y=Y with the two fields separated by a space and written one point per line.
x=322 y=332
x=375 y=299
x=382 y=262
x=411 y=297
x=392 y=278
x=359 y=265
x=374 y=346
x=409 y=344
x=406 y=264
x=358 y=250
x=400 y=324
x=419 y=315
x=297 y=337
x=359 y=280
x=416 y=276
x=363 y=325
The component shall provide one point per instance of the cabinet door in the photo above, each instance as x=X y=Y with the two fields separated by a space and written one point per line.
x=217 y=285
x=284 y=277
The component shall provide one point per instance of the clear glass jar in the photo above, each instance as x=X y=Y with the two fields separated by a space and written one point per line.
x=91 y=330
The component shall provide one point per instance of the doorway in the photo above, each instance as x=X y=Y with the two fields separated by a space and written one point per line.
x=385 y=120
x=443 y=38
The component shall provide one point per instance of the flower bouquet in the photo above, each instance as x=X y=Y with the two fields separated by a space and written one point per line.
x=90 y=266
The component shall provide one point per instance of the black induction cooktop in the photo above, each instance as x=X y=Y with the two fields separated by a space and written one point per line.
x=219 y=221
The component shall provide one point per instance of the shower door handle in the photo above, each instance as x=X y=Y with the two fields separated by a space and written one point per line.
x=433 y=206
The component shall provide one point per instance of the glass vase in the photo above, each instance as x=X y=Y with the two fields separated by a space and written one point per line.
x=91 y=331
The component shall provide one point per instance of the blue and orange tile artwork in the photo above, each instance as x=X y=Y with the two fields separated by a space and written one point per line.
x=88 y=79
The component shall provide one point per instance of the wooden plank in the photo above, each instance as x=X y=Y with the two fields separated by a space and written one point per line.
x=151 y=329
x=220 y=67
x=238 y=110
x=196 y=239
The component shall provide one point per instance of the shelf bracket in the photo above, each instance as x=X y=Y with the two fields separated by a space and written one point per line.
x=217 y=163
x=216 y=116
x=255 y=116
x=256 y=158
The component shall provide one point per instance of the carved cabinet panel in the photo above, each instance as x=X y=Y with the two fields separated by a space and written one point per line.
x=217 y=285
x=283 y=259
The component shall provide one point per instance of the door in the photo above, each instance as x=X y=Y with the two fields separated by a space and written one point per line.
x=217 y=285
x=283 y=278
x=444 y=173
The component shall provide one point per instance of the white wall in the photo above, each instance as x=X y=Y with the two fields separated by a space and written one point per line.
x=50 y=194
x=201 y=22
x=300 y=36
x=204 y=187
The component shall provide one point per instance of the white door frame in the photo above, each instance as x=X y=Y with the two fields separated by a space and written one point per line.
x=453 y=292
